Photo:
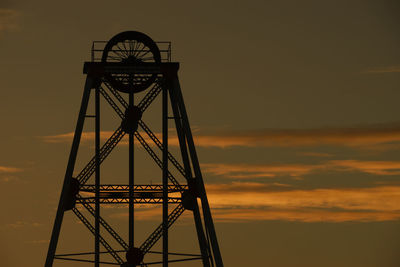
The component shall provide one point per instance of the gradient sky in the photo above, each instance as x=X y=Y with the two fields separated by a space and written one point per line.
x=294 y=107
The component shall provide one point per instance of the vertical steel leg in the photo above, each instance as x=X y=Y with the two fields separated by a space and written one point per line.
x=185 y=158
x=198 y=176
x=68 y=174
x=131 y=181
x=97 y=179
x=165 y=173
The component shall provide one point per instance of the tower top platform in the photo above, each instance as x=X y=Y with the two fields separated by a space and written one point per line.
x=128 y=68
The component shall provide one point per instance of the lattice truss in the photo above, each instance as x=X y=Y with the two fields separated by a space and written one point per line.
x=113 y=194
x=131 y=62
x=183 y=196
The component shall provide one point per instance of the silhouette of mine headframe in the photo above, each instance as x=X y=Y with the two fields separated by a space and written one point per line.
x=132 y=62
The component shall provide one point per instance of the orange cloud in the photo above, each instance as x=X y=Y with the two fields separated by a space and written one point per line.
x=67 y=137
x=372 y=167
x=9 y=19
x=104 y=135
x=243 y=171
x=146 y=213
x=258 y=170
x=20 y=224
x=315 y=154
x=318 y=205
x=256 y=202
x=5 y=169
x=382 y=198
x=390 y=69
x=235 y=215
x=352 y=137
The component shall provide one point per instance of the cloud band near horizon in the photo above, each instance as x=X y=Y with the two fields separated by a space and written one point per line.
x=239 y=202
x=350 y=137
x=248 y=171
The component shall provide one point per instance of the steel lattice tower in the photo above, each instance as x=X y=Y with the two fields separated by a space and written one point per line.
x=130 y=63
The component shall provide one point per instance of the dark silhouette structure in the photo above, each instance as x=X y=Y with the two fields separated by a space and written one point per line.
x=131 y=62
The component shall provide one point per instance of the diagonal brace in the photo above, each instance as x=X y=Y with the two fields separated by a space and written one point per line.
x=157 y=234
x=102 y=240
x=105 y=150
x=109 y=229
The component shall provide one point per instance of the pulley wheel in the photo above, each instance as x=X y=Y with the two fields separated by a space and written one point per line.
x=131 y=47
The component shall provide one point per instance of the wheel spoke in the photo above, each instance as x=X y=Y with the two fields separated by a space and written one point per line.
x=148 y=51
x=119 y=54
x=122 y=50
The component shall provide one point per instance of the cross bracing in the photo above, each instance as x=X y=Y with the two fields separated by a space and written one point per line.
x=108 y=80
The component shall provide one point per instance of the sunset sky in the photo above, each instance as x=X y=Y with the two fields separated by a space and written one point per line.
x=294 y=106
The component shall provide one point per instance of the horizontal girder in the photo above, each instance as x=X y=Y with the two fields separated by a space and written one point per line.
x=100 y=68
x=119 y=194
x=139 y=187
x=125 y=200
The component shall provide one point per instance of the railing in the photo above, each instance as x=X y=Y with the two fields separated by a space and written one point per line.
x=98 y=47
